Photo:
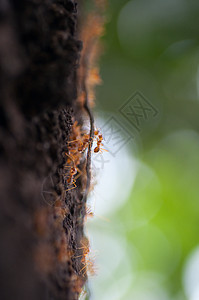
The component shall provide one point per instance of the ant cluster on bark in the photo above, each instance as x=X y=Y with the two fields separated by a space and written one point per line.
x=83 y=144
x=86 y=260
x=77 y=146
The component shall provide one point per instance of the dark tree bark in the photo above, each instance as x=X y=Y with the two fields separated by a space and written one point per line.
x=41 y=223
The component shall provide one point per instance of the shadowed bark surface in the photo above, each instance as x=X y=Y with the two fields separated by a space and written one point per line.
x=41 y=223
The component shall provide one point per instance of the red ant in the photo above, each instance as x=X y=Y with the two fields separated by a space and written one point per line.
x=85 y=247
x=73 y=171
x=88 y=267
x=80 y=144
x=84 y=143
x=76 y=146
x=70 y=179
x=99 y=141
x=86 y=259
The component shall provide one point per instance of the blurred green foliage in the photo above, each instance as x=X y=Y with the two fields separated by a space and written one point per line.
x=153 y=47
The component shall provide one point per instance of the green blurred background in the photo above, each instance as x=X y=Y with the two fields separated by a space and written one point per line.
x=147 y=249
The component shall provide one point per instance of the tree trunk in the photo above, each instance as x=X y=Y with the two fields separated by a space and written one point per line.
x=41 y=222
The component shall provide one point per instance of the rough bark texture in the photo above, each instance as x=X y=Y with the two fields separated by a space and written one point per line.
x=41 y=223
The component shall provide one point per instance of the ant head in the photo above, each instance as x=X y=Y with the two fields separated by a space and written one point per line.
x=80 y=148
x=96 y=149
x=73 y=170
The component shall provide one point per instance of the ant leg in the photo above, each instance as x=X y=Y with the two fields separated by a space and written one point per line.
x=66 y=166
x=84 y=273
x=71 y=157
x=72 y=141
x=83 y=269
x=101 y=150
x=72 y=187
x=80 y=173
x=85 y=251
